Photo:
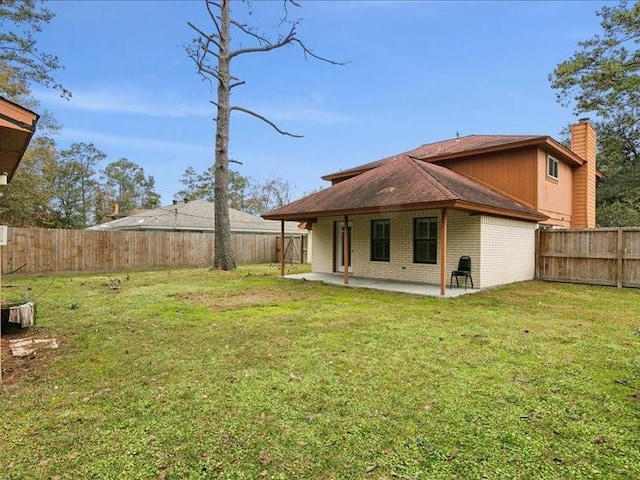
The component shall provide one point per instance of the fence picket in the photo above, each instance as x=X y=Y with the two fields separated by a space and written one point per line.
x=43 y=250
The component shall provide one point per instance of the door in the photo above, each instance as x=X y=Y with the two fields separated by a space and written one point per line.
x=340 y=261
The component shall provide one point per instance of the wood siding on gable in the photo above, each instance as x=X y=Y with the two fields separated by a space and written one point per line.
x=555 y=195
x=523 y=175
x=514 y=173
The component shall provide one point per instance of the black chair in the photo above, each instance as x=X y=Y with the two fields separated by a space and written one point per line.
x=464 y=270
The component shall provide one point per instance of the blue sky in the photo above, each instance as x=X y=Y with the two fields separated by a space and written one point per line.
x=418 y=72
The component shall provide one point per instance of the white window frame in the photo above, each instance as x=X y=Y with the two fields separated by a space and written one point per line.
x=555 y=169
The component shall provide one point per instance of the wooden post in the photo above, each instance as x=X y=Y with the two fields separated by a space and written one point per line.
x=282 y=248
x=443 y=253
x=620 y=255
x=346 y=248
x=301 y=248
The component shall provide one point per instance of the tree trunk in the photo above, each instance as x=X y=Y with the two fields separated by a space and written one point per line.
x=223 y=257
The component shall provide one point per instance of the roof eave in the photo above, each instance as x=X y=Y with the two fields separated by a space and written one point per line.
x=542 y=142
x=456 y=204
x=533 y=216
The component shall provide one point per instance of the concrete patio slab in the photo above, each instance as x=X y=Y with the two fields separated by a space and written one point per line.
x=424 y=289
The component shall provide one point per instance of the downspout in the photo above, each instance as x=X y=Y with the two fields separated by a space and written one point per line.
x=346 y=248
x=282 y=248
x=443 y=253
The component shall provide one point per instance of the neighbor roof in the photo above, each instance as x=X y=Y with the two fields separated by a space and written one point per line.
x=194 y=215
x=403 y=183
x=466 y=146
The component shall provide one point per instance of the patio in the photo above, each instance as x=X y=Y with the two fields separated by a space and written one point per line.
x=380 y=284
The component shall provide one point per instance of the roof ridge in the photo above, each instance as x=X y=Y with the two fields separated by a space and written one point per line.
x=429 y=176
x=479 y=135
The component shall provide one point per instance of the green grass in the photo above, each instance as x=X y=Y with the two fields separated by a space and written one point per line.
x=192 y=374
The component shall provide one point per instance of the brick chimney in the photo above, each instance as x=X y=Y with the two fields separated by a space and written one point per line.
x=583 y=144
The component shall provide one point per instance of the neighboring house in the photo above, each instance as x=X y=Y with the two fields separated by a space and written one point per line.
x=194 y=216
x=411 y=216
x=17 y=126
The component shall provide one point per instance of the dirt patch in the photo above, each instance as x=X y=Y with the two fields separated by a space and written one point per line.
x=14 y=369
x=243 y=299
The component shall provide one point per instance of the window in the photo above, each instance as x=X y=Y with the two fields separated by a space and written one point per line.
x=380 y=240
x=425 y=240
x=552 y=167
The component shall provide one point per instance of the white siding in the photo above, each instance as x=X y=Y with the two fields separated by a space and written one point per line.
x=501 y=250
x=508 y=252
x=322 y=251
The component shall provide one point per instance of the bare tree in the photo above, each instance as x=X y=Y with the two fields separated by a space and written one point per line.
x=213 y=54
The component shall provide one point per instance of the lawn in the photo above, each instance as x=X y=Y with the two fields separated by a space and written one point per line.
x=193 y=374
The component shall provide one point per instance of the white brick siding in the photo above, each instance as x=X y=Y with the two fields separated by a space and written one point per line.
x=508 y=251
x=501 y=251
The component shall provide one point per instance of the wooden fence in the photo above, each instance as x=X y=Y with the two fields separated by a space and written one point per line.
x=39 y=250
x=601 y=256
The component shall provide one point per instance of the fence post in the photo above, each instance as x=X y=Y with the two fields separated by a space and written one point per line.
x=620 y=255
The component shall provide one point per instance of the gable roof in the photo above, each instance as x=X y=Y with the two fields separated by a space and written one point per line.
x=466 y=146
x=403 y=183
x=194 y=215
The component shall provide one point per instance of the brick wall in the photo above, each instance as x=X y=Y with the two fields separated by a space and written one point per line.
x=508 y=251
x=462 y=239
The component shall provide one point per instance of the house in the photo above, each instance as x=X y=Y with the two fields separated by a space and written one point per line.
x=17 y=126
x=411 y=216
x=194 y=216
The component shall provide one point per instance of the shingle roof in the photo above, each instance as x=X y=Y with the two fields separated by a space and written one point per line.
x=464 y=146
x=404 y=183
x=194 y=215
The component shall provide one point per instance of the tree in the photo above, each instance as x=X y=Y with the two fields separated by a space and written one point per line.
x=191 y=188
x=618 y=191
x=267 y=196
x=213 y=55
x=125 y=183
x=26 y=201
x=200 y=187
x=603 y=77
x=76 y=187
x=21 y=62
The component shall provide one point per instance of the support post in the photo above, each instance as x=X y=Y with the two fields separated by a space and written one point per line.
x=346 y=248
x=282 y=248
x=443 y=253
x=301 y=248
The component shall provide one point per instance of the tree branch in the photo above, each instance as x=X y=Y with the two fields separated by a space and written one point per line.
x=214 y=17
x=250 y=32
x=236 y=84
x=310 y=52
x=266 y=45
x=265 y=120
x=210 y=39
